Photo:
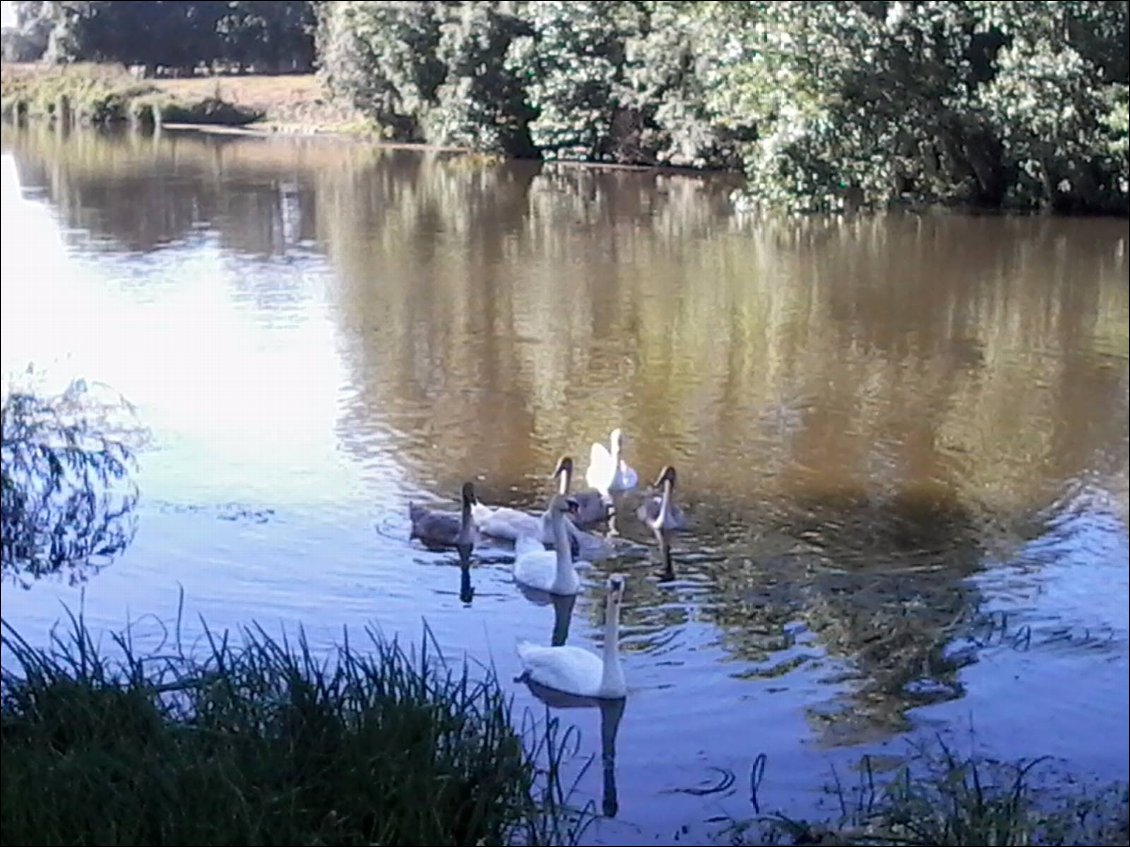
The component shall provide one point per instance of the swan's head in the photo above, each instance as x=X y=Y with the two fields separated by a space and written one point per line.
x=563 y=505
x=616 y=584
x=469 y=494
x=618 y=438
x=666 y=475
x=564 y=466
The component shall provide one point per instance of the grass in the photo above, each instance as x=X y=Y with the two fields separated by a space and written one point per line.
x=941 y=798
x=92 y=94
x=288 y=103
x=264 y=743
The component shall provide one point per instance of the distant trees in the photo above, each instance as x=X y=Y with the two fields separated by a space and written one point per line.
x=267 y=35
x=824 y=105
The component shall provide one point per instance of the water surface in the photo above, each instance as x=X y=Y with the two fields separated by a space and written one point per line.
x=902 y=441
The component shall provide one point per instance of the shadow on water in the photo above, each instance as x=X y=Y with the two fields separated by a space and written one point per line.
x=68 y=488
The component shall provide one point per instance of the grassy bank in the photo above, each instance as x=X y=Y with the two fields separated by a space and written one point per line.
x=94 y=94
x=98 y=95
x=263 y=743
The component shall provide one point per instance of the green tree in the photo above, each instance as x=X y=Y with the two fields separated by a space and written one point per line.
x=276 y=34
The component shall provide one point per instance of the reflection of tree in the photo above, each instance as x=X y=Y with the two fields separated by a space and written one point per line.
x=862 y=406
x=68 y=497
x=858 y=409
x=149 y=192
x=880 y=585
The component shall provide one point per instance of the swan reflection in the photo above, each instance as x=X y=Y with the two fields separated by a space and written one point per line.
x=611 y=712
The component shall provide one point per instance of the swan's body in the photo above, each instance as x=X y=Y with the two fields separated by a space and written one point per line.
x=444 y=529
x=660 y=511
x=549 y=570
x=505 y=522
x=573 y=670
x=608 y=472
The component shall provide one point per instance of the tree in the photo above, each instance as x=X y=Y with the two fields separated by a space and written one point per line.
x=274 y=34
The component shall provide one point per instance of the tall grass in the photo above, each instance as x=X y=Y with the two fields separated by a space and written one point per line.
x=263 y=742
x=941 y=798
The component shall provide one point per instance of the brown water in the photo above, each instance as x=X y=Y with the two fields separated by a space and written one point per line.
x=902 y=442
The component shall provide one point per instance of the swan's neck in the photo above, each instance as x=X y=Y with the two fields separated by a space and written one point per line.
x=565 y=572
x=465 y=524
x=664 y=516
x=613 y=676
x=564 y=480
x=615 y=453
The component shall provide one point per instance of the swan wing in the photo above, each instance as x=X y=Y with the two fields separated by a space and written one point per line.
x=572 y=670
x=589 y=546
x=678 y=517
x=600 y=470
x=648 y=511
x=482 y=513
x=592 y=508
x=526 y=544
x=508 y=524
x=437 y=527
x=536 y=568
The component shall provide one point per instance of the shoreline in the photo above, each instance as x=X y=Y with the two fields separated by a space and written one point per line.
x=286 y=105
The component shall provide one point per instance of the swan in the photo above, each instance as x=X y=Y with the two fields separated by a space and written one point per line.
x=573 y=670
x=607 y=471
x=512 y=524
x=660 y=511
x=592 y=507
x=505 y=522
x=549 y=570
x=443 y=529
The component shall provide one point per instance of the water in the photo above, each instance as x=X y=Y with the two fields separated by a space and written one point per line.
x=901 y=442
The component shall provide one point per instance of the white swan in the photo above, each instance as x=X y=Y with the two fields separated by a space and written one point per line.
x=573 y=670
x=549 y=570
x=660 y=511
x=607 y=471
x=443 y=529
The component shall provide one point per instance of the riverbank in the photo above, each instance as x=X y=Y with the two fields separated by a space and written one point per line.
x=89 y=94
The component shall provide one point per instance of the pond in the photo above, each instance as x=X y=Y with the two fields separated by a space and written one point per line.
x=901 y=441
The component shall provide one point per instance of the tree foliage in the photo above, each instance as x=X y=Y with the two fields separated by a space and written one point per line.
x=824 y=105
x=273 y=35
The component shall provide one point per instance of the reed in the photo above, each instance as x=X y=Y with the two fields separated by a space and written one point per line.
x=939 y=797
x=257 y=740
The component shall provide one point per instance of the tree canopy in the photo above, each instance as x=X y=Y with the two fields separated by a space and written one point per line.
x=824 y=105
x=268 y=35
